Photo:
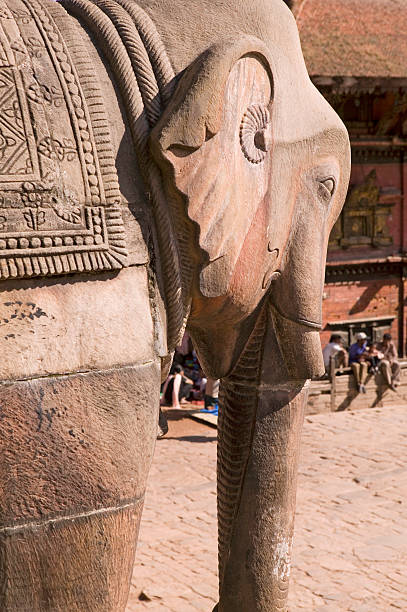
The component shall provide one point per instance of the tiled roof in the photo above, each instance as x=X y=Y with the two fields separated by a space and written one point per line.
x=360 y=38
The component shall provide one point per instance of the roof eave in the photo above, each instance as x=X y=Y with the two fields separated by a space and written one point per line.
x=359 y=84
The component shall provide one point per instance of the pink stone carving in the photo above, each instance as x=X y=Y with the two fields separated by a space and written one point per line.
x=162 y=165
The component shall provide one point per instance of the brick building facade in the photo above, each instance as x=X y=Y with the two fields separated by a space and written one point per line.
x=356 y=54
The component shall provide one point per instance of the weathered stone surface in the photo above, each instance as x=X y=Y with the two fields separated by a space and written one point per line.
x=75 y=452
x=77 y=564
x=74 y=444
x=74 y=324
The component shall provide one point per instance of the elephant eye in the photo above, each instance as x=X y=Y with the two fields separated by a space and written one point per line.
x=255 y=133
x=327 y=187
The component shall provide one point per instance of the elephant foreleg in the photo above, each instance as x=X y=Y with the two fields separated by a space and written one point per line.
x=74 y=457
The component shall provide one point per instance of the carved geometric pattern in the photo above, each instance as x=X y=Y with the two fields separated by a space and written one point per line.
x=18 y=156
x=235 y=430
x=98 y=117
x=59 y=206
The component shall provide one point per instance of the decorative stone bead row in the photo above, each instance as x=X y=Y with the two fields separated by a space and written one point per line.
x=51 y=241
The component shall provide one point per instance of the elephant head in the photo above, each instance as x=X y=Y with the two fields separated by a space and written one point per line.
x=258 y=163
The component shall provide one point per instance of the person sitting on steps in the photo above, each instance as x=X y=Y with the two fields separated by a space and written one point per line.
x=389 y=365
x=176 y=388
x=375 y=357
x=358 y=361
x=335 y=349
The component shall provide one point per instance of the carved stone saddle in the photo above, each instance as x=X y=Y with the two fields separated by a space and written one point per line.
x=59 y=192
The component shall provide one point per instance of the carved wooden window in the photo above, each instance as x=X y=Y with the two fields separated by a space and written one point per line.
x=363 y=221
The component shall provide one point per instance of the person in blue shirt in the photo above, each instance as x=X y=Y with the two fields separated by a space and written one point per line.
x=358 y=361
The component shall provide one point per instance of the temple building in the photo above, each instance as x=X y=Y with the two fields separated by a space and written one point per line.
x=356 y=54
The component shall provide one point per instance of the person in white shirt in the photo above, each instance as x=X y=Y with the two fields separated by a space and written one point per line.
x=335 y=349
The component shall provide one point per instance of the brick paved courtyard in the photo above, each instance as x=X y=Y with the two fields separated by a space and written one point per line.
x=350 y=549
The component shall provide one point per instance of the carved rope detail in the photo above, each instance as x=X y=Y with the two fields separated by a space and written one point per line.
x=255 y=133
x=144 y=75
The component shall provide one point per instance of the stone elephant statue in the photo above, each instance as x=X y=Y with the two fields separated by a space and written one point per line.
x=162 y=164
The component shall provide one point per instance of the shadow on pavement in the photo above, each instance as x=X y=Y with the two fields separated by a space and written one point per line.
x=191 y=438
x=184 y=429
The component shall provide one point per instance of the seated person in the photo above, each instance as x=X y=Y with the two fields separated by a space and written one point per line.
x=211 y=393
x=162 y=425
x=389 y=365
x=176 y=388
x=335 y=349
x=358 y=361
x=375 y=357
x=198 y=390
x=191 y=365
x=178 y=359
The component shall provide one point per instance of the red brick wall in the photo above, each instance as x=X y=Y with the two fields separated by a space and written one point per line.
x=360 y=299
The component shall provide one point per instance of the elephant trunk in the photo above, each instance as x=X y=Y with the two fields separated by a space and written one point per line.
x=259 y=434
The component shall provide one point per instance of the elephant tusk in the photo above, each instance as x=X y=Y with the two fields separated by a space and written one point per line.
x=268 y=279
x=300 y=321
x=216 y=258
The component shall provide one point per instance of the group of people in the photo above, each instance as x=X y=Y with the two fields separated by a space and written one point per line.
x=365 y=358
x=187 y=382
x=179 y=389
x=184 y=384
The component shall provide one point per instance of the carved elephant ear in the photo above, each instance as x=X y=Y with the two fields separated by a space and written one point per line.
x=217 y=135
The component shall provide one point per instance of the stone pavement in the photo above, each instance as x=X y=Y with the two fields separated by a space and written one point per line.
x=350 y=550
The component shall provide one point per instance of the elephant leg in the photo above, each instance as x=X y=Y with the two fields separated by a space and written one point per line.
x=259 y=436
x=75 y=452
